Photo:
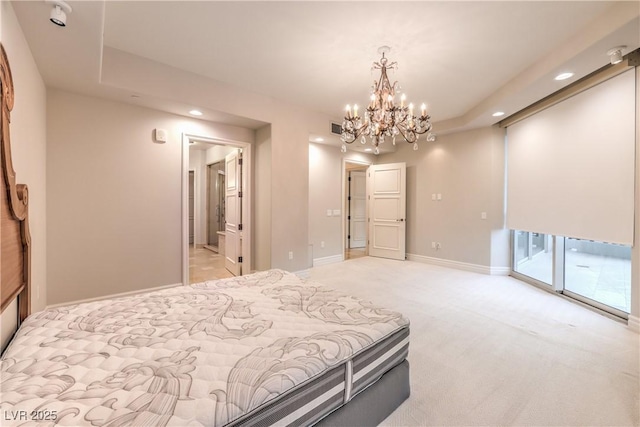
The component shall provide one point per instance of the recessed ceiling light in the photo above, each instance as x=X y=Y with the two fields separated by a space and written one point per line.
x=195 y=113
x=498 y=114
x=564 y=76
x=368 y=150
x=319 y=139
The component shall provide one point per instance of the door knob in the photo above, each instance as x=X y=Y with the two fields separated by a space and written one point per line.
x=400 y=220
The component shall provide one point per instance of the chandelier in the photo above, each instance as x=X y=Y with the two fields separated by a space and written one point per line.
x=383 y=118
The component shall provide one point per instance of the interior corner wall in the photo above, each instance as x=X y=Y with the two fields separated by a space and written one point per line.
x=261 y=251
x=289 y=207
x=325 y=193
x=29 y=144
x=500 y=235
x=114 y=196
x=467 y=170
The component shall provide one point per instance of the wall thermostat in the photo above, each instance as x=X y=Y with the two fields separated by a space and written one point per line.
x=160 y=135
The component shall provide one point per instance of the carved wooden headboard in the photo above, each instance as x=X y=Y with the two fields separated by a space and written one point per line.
x=15 y=254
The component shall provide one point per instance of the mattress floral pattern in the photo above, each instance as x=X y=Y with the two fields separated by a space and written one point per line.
x=205 y=354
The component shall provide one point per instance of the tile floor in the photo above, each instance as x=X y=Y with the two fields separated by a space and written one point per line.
x=600 y=278
x=206 y=265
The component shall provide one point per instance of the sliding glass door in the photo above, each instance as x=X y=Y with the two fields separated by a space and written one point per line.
x=533 y=255
x=596 y=273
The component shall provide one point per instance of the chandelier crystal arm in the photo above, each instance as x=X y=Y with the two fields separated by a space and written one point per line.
x=383 y=117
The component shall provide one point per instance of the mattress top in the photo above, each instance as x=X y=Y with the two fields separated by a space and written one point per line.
x=204 y=354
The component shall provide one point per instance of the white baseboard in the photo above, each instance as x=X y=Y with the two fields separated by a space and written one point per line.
x=118 y=295
x=476 y=268
x=499 y=271
x=634 y=323
x=327 y=260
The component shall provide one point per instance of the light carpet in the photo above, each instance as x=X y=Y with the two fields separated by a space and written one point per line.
x=494 y=351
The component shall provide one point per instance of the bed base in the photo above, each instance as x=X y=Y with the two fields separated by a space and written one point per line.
x=377 y=402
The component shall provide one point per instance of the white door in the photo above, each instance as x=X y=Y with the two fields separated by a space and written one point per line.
x=387 y=210
x=358 y=209
x=233 y=213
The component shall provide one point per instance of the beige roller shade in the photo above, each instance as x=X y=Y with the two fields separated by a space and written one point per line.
x=571 y=166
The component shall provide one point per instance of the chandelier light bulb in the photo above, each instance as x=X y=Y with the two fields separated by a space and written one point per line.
x=402 y=99
x=355 y=110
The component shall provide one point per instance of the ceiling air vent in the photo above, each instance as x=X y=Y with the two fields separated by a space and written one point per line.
x=336 y=128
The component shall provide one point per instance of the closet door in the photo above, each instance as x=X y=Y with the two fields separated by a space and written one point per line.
x=387 y=210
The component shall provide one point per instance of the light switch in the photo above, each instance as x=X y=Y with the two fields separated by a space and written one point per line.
x=328 y=212
x=439 y=196
x=433 y=196
x=336 y=212
x=483 y=215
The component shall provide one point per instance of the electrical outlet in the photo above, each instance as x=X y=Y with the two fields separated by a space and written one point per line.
x=322 y=244
x=433 y=196
x=336 y=212
x=439 y=196
x=328 y=212
x=290 y=255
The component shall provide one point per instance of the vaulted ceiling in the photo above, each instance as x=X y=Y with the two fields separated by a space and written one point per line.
x=466 y=60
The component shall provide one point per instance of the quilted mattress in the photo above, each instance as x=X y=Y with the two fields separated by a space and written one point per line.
x=263 y=349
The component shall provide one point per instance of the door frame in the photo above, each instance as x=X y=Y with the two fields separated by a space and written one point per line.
x=247 y=224
x=345 y=207
x=195 y=211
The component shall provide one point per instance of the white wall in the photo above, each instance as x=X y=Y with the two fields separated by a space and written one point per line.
x=467 y=169
x=262 y=189
x=217 y=153
x=286 y=147
x=326 y=186
x=28 y=143
x=114 y=195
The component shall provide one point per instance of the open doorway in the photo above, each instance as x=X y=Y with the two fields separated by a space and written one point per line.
x=214 y=207
x=215 y=173
x=355 y=230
